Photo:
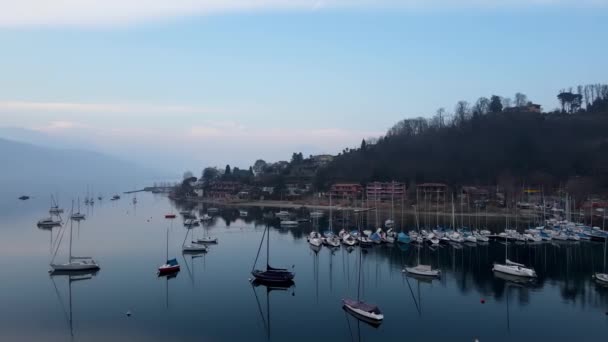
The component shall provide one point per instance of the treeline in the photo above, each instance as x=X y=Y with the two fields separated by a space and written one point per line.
x=486 y=144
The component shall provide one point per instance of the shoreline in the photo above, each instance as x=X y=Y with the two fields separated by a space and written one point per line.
x=297 y=205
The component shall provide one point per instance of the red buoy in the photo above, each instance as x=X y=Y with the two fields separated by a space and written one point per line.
x=483 y=301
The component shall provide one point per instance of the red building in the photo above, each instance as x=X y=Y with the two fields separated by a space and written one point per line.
x=379 y=191
x=349 y=190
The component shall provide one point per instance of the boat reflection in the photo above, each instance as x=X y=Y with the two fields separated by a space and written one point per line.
x=72 y=276
x=283 y=287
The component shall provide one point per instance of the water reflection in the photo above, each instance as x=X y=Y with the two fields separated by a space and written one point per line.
x=213 y=288
x=72 y=277
x=283 y=287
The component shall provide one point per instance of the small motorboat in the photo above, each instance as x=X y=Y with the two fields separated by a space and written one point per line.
x=206 y=218
x=366 y=312
x=243 y=213
x=115 y=197
x=169 y=216
x=190 y=223
x=78 y=216
x=24 y=198
x=206 y=240
x=48 y=222
x=289 y=223
x=194 y=248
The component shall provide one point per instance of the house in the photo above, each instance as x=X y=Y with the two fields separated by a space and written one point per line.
x=322 y=159
x=385 y=191
x=349 y=190
x=529 y=108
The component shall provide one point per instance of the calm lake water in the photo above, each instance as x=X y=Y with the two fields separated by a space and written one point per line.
x=211 y=298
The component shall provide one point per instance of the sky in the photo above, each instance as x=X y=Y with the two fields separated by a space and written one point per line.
x=186 y=84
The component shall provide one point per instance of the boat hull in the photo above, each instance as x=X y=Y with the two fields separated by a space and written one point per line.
x=273 y=277
x=514 y=270
x=369 y=317
x=75 y=266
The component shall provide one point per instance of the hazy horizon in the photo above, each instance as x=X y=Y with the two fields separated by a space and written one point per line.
x=207 y=83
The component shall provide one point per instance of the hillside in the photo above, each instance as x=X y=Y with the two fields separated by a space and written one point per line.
x=493 y=148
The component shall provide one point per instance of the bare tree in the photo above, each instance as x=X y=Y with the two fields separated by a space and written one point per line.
x=461 y=111
x=440 y=116
x=507 y=102
x=520 y=100
x=482 y=106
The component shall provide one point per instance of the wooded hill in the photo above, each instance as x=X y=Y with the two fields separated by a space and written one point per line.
x=485 y=145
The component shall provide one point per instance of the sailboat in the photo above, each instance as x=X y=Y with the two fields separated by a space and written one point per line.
x=77 y=216
x=314 y=237
x=205 y=239
x=74 y=263
x=193 y=247
x=270 y=275
x=420 y=269
x=171 y=266
x=55 y=210
x=513 y=268
x=330 y=239
x=359 y=309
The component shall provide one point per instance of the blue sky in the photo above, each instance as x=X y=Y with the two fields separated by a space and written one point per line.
x=211 y=84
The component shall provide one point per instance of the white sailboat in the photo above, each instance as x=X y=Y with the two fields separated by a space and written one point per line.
x=513 y=268
x=74 y=263
x=55 y=210
x=420 y=269
x=359 y=309
x=330 y=238
x=192 y=247
x=77 y=216
x=207 y=239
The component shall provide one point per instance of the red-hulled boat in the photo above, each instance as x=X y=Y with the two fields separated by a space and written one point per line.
x=170 y=216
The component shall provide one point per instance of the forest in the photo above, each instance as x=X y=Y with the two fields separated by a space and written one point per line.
x=495 y=141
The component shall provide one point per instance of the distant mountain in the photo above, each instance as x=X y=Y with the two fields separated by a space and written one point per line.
x=26 y=162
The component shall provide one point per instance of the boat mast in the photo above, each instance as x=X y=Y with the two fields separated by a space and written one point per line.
x=453 y=217
x=359 y=280
x=267 y=248
x=167 y=251
x=331 y=228
x=71 y=224
x=393 y=204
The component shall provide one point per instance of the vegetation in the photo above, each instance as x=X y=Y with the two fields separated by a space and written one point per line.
x=486 y=144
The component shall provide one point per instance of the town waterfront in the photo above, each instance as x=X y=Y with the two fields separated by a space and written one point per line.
x=212 y=298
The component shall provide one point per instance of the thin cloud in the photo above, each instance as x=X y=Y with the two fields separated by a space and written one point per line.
x=84 y=108
x=61 y=125
x=111 y=13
